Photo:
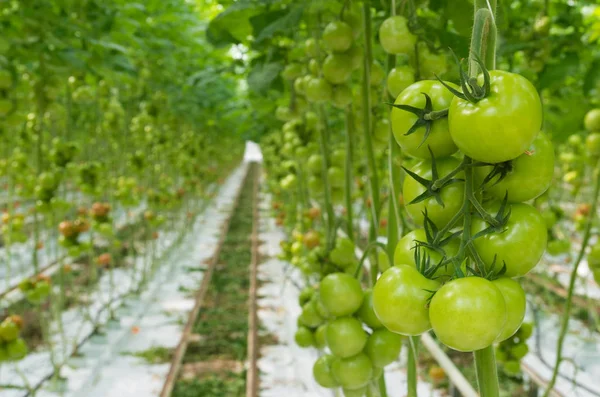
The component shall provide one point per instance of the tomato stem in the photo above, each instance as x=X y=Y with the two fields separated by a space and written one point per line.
x=413 y=354
x=366 y=91
x=348 y=174
x=487 y=374
x=566 y=314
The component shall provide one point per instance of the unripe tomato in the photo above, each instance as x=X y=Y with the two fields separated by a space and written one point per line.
x=318 y=90
x=430 y=63
x=383 y=347
x=336 y=177
x=451 y=195
x=404 y=254
x=342 y=96
x=341 y=294
x=338 y=158
x=399 y=78
x=520 y=245
x=501 y=126
x=321 y=336
x=592 y=144
x=400 y=299
x=343 y=254
x=313 y=67
x=353 y=372
x=337 y=36
x=439 y=139
x=366 y=313
x=530 y=174
x=337 y=68
x=292 y=71
x=322 y=372
x=593 y=258
x=356 y=54
x=310 y=47
x=16 y=350
x=394 y=36
x=310 y=316
x=468 y=314
x=345 y=337
x=376 y=74
x=592 y=120
x=515 y=300
x=354 y=19
x=304 y=337
x=9 y=330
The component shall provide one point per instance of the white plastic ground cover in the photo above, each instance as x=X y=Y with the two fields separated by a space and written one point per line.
x=105 y=364
x=286 y=369
x=581 y=351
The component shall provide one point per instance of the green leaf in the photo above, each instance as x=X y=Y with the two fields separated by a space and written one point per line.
x=554 y=74
x=232 y=26
x=284 y=24
x=263 y=76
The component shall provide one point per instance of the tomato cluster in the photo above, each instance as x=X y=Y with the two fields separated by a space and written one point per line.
x=481 y=157
x=12 y=347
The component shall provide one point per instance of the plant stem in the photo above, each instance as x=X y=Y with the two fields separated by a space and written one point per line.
x=348 y=174
x=413 y=354
x=366 y=91
x=566 y=314
x=327 y=190
x=487 y=374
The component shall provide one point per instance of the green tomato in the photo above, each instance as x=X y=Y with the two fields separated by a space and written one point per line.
x=353 y=372
x=399 y=78
x=383 y=347
x=338 y=36
x=558 y=247
x=318 y=90
x=501 y=126
x=404 y=254
x=9 y=331
x=306 y=295
x=452 y=195
x=338 y=158
x=337 y=68
x=431 y=63
x=304 y=337
x=400 y=299
x=322 y=372
x=593 y=258
x=439 y=139
x=394 y=36
x=16 y=350
x=360 y=392
x=336 y=177
x=310 y=316
x=376 y=74
x=515 y=300
x=292 y=71
x=342 y=96
x=345 y=337
x=341 y=294
x=356 y=54
x=343 y=254
x=315 y=185
x=321 y=337
x=592 y=120
x=592 y=144
x=529 y=175
x=315 y=164
x=310 y=47
x=519 y=351
x=521 y=243
x=468 y=314
x=366 y=313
